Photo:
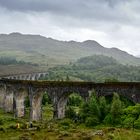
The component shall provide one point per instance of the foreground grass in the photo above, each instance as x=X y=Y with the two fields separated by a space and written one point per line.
x=64 y=129
x=58 y=133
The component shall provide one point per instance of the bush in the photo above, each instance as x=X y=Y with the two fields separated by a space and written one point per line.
x=12 y=126
x=91 y=121
x=111 y=136
x=108 y=119
x=128 y=122
x=46 y=99
x=137 y=123
x=70 y=113
x=2 y=129
x=1 y=121
x=66 y=122
x=75 y=100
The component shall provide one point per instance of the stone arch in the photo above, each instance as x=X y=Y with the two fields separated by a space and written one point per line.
x=131 y=92
x=131 y=98
x=59 y=106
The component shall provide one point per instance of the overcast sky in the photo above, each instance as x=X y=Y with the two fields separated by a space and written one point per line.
x=113 y=23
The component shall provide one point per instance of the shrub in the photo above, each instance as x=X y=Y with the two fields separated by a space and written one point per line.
x=91 y=121
x=2 y=129
x=70 y=113
x=128 y=122
x=1 y=121
x=12 y=126
x=137 y=123
x=108 y=119
x=111 y=136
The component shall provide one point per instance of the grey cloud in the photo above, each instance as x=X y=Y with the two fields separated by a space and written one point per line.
x=45 y=5
x=70 y=7
x=91 y=10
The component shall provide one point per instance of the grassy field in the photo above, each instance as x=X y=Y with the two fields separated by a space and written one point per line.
x=18 y=69
x=66 y=129
x=75 y=134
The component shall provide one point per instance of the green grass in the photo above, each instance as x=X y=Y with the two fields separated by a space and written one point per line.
x=64 y=129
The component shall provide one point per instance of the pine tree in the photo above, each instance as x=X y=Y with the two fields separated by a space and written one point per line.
x=116 y=108
x=103 y=107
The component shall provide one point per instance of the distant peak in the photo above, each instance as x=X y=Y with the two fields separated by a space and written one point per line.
x=89 y=41
x=15 y=34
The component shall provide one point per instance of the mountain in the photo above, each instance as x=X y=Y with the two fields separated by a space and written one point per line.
x=48 y=52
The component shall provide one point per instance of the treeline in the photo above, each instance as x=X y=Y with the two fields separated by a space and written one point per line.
x=101 y=111
x=96 y=68
x=11 y=60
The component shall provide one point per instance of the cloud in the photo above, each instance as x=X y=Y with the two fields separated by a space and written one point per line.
x=113 y=23
x=97 y=9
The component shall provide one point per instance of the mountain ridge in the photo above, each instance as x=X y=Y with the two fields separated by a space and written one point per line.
x=48 y=51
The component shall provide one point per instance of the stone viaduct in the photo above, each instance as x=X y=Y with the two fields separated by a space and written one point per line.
x=13 y=93
x=26 y=76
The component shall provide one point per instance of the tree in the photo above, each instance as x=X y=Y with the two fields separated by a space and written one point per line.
x=46 y=99
x=90 y=112
x=104 y=109
x=94 y=107
x=131 y=116
x=116 y=109
x=67 y=78
x=75 y=100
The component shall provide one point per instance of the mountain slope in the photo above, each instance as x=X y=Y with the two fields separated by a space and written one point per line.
x=49 y=52
x=97 y=68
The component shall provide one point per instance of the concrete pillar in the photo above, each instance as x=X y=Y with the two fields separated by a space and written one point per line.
x=27 y=77
x=35 y=97
x=59 y=107
x=2 y=95
x=19 y=99
x=36 y=77
x=8 y=99
x=33 y=77
x=55 y=107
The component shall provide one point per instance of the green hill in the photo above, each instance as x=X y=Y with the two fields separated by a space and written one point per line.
x=48 y=52
x=96 y=68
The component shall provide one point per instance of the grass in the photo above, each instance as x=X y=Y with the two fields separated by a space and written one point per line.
x=18 y=69
x=65 y=129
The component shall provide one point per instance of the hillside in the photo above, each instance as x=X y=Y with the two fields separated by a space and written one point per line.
x=48 y=52
x=97 y=68
x=17 y=69
x=9 y=65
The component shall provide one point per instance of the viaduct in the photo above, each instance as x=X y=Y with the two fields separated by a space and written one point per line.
x=26 y=76
x=13 y=93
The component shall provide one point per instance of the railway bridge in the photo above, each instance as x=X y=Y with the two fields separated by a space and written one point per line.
x=13 y=93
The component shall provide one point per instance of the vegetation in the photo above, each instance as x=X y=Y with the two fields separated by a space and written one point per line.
x=97 y=68
x=112 y=118
x=10 y=65
x=115 y=112
x=109 y=118
x=12 y=60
